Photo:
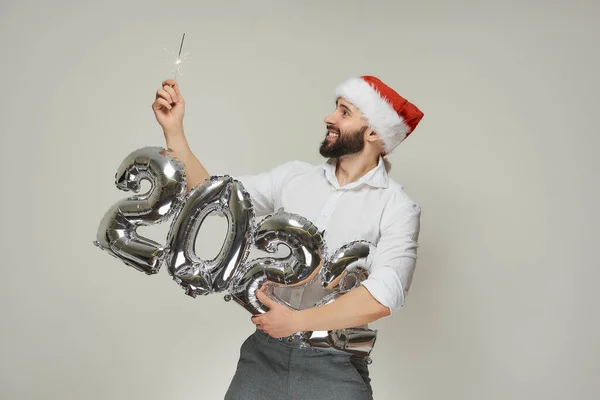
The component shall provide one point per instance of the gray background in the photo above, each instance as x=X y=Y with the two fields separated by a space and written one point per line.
x=503 y=165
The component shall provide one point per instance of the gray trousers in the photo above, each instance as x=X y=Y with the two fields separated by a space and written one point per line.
x=270 y=368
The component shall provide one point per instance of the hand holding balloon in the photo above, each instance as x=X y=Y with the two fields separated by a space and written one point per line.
x=279 y=321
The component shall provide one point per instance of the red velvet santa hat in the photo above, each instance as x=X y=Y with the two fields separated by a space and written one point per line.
x=390 y=115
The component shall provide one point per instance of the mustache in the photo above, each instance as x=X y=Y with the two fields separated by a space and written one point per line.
x=332 y=128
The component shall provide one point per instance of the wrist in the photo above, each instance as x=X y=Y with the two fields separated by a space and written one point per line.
x=177 y=142
x=300 y=321
x=174 y=132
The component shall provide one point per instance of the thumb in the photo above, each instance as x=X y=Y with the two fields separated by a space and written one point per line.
x=264 y=298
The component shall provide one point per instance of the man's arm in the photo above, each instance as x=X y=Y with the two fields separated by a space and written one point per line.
x=355 y=308
x=378 y=296
x=169 y=109
x=394 y=263
x=178 y=147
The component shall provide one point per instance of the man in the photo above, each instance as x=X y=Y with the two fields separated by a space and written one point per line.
x=352 y=198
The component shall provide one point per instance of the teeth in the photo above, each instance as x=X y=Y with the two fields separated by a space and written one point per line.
x=333 y=134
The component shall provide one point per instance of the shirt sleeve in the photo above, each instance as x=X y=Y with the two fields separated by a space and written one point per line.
x=394 y=263
x=265 y=187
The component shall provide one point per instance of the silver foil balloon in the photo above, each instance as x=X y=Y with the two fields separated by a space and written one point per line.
x=306 y=246
x=355 y=254
x=224 y=196
x=341 y=273
x=117 y=231
x=356 y=341
x=349 y=280
x=359 y=340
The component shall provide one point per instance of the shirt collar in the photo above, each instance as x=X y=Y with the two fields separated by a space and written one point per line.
x=377 y=177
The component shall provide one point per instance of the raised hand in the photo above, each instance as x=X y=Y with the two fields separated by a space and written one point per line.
x=169 y=107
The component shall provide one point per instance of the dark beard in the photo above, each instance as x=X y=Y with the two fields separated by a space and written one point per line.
x=345 y=144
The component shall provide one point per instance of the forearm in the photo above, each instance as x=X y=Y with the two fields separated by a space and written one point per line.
x=179 y=148
x=357 y=307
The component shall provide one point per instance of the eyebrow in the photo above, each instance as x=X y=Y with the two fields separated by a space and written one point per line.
x=345 y=108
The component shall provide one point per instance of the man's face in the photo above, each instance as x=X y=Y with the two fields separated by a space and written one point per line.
x=345 y=131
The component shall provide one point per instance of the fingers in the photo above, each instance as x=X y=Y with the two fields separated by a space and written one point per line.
x=175 y=87
x=171 y=83
x=161 y=103
x=256 y=320
x=162 y=93
x=262 y=296
x=171 y=92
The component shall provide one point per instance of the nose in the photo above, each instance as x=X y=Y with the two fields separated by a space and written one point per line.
x=329 y=119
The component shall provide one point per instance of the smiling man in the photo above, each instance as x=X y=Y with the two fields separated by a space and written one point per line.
x=351 y=197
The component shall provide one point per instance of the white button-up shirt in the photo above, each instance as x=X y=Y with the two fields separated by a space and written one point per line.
x=374 y=208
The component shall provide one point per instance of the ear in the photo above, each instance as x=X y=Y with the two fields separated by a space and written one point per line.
x=372 y=136
x=374 y=139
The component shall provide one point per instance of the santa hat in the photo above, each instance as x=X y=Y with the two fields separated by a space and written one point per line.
x=390 y=115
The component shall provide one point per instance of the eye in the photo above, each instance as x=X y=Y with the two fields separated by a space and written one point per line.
x=345 y=113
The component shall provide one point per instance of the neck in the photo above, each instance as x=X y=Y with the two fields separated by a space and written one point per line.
x=352 y=167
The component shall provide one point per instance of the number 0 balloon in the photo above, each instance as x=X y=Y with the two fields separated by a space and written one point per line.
x=224 y=196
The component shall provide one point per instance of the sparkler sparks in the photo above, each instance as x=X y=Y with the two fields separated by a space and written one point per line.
x=179 y=59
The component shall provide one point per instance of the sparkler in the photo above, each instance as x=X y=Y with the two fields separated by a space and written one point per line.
x=179 y=59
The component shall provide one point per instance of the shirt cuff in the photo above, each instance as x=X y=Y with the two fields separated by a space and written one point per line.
x=381 y=292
